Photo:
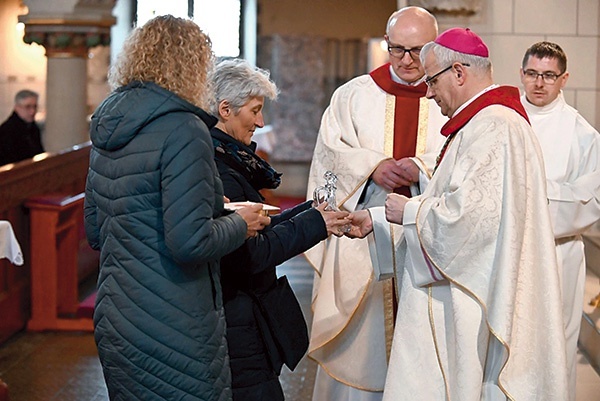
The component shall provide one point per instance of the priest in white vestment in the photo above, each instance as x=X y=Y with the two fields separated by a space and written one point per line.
x=479 y=310
x=379 y=134
x=571 y=150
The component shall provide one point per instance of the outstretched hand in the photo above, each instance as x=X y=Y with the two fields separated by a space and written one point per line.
x=335 y=221
x=254 y=218
x=362 y=224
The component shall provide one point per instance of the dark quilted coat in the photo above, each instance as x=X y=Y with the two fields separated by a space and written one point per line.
x=252 y=269
x=153 y=208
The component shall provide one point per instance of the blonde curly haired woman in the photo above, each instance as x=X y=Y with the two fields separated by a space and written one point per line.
x=154 y=209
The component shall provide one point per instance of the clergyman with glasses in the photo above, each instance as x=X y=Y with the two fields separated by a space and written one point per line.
x=479 y=314
x=571 y=149
x=380 y=134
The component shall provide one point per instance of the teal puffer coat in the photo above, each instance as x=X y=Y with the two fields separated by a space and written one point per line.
x=153 y=208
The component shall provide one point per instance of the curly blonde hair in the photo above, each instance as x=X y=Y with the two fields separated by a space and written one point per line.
x=173 y=53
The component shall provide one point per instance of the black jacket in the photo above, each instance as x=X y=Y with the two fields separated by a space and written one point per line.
x=251 y=269
x=19 y=140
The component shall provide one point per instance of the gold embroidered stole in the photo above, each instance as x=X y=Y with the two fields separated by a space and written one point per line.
x=395 y=118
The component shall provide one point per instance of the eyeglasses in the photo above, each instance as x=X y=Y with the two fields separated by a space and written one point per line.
x=430 y=81
x=399 y=51
x=548 y=77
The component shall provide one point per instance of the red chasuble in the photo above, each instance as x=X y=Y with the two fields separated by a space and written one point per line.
x=406 y=114
x=507 y=96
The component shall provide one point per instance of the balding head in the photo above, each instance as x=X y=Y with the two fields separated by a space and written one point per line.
x=410 y=28
x=419 y=19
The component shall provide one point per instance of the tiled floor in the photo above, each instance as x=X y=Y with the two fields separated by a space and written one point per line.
x=65 y=367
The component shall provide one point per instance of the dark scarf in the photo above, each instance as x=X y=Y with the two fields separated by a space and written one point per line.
x=242 y=159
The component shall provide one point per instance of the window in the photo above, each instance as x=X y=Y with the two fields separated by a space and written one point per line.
x=220 y=19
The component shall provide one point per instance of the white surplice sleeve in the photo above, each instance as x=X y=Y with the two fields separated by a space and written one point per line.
x=575 y=203
x=386 y=245
x=420 y=266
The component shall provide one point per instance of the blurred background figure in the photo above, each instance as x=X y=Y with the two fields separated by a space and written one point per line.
x=20 y=136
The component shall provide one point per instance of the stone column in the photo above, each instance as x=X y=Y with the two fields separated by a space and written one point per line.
x=67 y=29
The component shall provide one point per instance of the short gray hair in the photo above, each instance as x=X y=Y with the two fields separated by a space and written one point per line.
x=25 y=94
x=446 y=57
x=236 y=81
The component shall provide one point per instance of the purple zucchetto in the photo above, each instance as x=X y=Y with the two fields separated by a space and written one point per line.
x=463 y=40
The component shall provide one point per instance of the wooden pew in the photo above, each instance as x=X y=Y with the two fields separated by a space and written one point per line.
x=55 y=222
x=63 y=172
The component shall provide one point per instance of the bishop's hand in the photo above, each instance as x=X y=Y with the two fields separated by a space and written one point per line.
x=394 y=208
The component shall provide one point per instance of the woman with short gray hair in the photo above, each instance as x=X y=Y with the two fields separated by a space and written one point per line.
x=265 y=325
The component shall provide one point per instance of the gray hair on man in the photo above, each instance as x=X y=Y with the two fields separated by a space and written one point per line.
x=445 y=57
x=25 y=94
x=236 y=81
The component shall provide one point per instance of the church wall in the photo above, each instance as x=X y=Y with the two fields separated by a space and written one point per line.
x=311 y=48
x=352 y=19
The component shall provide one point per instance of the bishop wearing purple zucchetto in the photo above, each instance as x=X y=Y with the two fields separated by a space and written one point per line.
x=479 y=309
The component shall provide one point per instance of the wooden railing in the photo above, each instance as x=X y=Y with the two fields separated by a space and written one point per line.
x=65 y=173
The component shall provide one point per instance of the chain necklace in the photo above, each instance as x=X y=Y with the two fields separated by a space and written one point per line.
x=443 y=150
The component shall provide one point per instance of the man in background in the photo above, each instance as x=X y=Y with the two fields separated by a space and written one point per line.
x=571 y=150
x=379 y=134
x=19 y=134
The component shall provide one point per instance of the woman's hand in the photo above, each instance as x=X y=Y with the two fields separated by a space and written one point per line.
x=362 y=224
x=335 y=221
x=394 y=208
x=254 y=218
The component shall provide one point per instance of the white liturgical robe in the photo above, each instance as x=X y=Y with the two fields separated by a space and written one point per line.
x=479 y=314
x=571 y=150
x=356 y=135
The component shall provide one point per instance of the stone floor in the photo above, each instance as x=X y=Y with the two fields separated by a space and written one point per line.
x=65 y=367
